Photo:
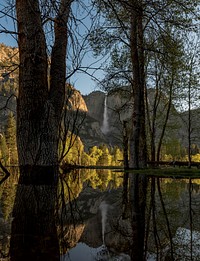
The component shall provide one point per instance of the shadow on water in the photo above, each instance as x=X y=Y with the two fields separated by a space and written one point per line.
x=91 y=225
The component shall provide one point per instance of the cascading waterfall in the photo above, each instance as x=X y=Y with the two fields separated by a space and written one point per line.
x=105 y=126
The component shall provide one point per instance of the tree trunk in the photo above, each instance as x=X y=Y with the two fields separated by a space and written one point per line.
x=137 y=200
x=39 y=110
x=138 y=155
x=138 y=152
x=126 y=167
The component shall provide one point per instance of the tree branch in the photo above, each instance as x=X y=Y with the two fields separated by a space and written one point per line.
x=6 y=172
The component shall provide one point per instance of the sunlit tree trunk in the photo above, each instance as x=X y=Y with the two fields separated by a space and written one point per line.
x=39 y=109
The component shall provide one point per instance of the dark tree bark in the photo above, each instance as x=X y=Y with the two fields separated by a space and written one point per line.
x=138 y=156
x=137 y=200
x=126 y=167
x=39 y=109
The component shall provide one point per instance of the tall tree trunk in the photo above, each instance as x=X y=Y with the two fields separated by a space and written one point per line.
x=138 y=153
x=39 y=109
x=138 y=156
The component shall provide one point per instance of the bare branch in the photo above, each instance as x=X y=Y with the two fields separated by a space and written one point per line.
x=8 y=32
x=7 y=101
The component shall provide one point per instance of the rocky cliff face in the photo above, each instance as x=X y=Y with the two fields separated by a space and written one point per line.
x=96 y=109
x=9 y=61
x=111 y=109
x=75 y=100
x=88 y=126
x=95 y=105
x=119 y=109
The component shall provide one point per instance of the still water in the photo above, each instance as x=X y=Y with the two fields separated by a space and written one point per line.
x=92 y=225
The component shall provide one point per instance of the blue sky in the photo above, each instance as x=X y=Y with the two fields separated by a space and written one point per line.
x=81 y=81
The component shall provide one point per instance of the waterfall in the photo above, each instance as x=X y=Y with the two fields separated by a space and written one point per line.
x=105 y=127
x=104 y=210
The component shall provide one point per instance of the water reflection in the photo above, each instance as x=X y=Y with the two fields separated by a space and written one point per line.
x=91 y=224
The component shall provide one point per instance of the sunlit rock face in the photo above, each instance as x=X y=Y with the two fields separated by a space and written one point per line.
x=9 y=56
x=75 y=99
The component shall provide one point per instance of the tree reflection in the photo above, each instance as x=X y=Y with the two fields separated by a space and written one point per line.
x=171 y=215
x=170 y=219
x=137 y=201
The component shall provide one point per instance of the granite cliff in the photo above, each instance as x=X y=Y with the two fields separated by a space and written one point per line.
x=99 y=116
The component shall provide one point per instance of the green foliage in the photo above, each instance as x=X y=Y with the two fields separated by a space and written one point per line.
x=103 y=155
x=165 y=23
x=87 y=160
x=71 y=151
x=196 y=157
x=117 y=156
x=71 y=184
x=174 y=148
x=105 y=159
x=95 y=153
